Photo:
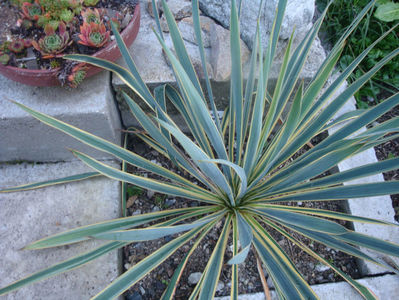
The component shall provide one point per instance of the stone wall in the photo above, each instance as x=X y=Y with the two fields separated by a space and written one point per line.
x=298 y=15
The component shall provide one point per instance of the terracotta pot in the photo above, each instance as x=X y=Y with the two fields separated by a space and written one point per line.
x=49 y=77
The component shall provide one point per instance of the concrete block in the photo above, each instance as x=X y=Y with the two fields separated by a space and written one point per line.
x=90 y=107
x=28 y=216
x=385 y=287
x=379 y=208
x=147 y=54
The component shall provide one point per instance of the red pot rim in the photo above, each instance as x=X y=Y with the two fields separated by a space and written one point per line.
x=99 y=53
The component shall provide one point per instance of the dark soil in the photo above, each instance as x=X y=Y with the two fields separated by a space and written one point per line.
x=121 y=9
x=389 y=150
x=153 y=285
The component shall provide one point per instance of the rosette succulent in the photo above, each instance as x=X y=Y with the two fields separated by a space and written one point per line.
x=32 y=11
x=75 y=3
x=53 y=43
x=90 y=2
x=93 y=35
x=27 y=43
x=67 y=15
x=17 y=46
x=77 y=75
x=4 y=58
x=91 y=16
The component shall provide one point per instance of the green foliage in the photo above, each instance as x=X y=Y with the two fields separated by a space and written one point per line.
x=53 y=43
x=160 y=201
x=46 y=11
x=4 y=58
x=387 y=11
x=134 y=191
x=248 y=166
x=90 y=2
x=66 y=15
x=338 y=18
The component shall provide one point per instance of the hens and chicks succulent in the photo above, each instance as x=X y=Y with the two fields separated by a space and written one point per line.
x=62 y=23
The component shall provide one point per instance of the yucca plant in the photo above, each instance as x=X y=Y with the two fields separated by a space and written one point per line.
x=244 y=161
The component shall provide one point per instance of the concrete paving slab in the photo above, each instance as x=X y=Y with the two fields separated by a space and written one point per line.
x=28 y=216
x=89 y=107
x=376 y=207
x=385 y=287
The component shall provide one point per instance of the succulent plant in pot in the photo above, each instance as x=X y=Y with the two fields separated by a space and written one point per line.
x=93 y=35
x=32 y=11
x=91 y=16
x=246 y=162
x=53 y=43
x=54 y=27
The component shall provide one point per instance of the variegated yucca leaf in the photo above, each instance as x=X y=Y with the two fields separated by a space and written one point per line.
x=245 y=161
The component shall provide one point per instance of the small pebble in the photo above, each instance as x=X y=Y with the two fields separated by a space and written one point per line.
x=150 y=194
x=142 y=290
x=194 y=278
x=270 y=283
x=220 y=286
x=170 y=202
x=168 y=238
x=322 y=268
x=134 y=296
x=136 y=212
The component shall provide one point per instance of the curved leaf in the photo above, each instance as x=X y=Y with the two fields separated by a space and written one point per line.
x=387 y=12
x=246 y=236
x=239 y=171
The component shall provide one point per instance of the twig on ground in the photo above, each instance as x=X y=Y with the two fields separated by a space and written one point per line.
x=263 y=279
